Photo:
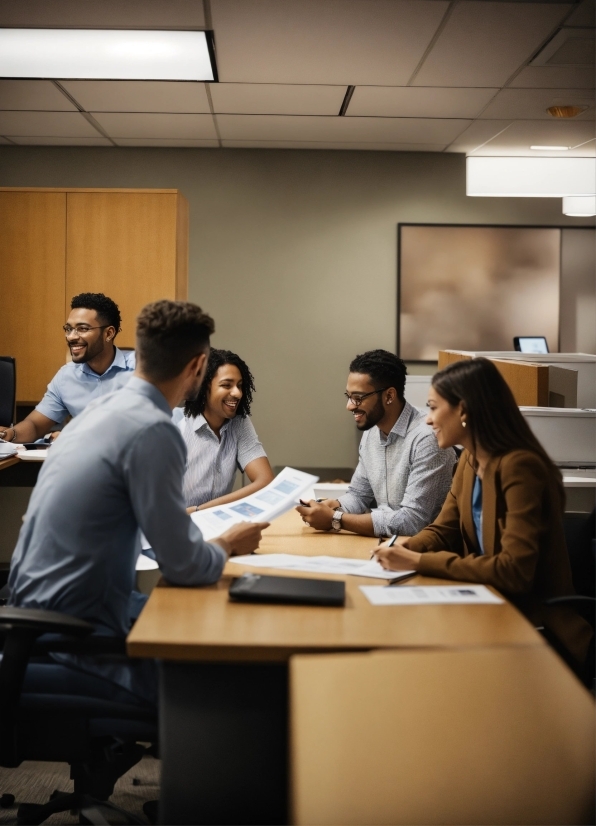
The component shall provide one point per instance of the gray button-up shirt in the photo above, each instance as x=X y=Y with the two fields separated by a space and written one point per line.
x=116 y=468
x=212 y=462
x=402 y=479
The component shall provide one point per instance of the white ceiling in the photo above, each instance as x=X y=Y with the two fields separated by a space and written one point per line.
x=472 y=76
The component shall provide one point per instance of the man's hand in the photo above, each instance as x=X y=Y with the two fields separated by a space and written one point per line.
x=243 y=538
x=396 y=558
x=317 y=514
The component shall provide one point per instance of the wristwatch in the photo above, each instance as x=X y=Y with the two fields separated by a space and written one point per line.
x=336 y=520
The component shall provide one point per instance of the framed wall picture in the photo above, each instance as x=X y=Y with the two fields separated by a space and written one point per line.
x=476 y=287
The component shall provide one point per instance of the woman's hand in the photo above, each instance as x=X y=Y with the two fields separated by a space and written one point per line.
x=396 y=557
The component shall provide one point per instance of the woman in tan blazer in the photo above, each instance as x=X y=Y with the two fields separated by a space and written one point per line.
x=502 y=521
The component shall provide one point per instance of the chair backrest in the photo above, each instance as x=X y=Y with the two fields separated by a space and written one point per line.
x=8 y=389
x=579 y=537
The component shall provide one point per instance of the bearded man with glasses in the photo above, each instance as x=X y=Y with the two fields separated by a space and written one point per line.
x=97 y=367
x=403 y=476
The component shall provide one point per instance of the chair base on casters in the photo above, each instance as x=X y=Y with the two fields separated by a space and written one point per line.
x=94 y=782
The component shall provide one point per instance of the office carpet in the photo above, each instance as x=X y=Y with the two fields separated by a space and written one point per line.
x=34 y=783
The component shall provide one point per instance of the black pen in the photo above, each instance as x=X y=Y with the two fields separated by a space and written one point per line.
x=401 y=578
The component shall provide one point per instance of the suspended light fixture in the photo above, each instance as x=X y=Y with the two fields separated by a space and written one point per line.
x=530 y=177
x=579 y=206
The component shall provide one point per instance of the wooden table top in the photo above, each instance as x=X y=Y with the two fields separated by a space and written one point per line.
x=475 y=736
x=11 y=460
x=202 y=624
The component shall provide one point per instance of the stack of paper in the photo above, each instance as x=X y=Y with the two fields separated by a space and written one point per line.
x=317 y=564
x=430 y=595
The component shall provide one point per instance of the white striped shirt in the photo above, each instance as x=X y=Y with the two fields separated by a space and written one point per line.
x=212 y=463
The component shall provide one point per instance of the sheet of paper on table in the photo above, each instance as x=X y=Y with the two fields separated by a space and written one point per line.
x=266 y=504
x=430 y=595
x=317 y=564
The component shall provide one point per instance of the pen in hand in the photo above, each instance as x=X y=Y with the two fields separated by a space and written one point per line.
x=389 y=545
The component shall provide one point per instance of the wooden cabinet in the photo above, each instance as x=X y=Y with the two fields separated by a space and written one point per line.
x=131 y=245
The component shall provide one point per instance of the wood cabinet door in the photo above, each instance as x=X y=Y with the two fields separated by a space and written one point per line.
x=32 y=272
x=122 y=244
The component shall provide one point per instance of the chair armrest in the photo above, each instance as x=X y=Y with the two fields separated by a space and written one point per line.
x=585 y=606
x=37 y=622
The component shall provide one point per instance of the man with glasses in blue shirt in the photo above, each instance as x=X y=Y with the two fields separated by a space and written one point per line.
x=403 y=476
x=97 y=367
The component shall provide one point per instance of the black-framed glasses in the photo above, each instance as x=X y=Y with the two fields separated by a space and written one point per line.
x=81 y=329
x=359 y=398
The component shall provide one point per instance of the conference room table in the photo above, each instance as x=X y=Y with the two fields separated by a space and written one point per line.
x=224 y=689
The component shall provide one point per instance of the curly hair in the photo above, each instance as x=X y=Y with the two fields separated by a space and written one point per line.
x=384 y=368
x=217 y=359
x=169 y=335
x=107 y=310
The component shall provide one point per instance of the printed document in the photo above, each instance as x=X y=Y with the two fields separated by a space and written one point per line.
x=430 y=595
x=317 y=564
x=266 y=504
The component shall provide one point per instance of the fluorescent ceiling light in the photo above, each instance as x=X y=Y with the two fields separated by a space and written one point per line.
x=530 y=177
x=551 y=148
x=104 y=54
x=579 y=207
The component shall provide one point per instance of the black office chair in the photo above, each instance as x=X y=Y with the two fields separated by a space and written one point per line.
x=8 y=390
x=100 y=739
x=580 y=530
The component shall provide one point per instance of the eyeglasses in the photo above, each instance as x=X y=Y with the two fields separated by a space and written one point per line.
x=81 y=329
x=357 y=400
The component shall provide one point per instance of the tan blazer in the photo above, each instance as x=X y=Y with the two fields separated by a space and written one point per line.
x=525 y=556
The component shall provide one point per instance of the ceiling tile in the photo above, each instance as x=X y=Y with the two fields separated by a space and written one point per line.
x=369 y=130
x=138 y=95
x=276 y=99
x=418 y=102
x=3 y=141
x=517 y=137
x=106 y=14
x=378 y=147
x=482 y=44
x=529 y=104
x=554 y=77
x=477 y=134
x=45 y=141
x=137 y=125
x=584 y=15
x=33 y=94
x=171 y=142
x=321 y=41
x=46 y=124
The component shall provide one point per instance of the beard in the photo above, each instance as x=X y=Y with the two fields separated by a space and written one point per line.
x=372 y=418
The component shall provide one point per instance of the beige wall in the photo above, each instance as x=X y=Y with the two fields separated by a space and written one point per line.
x=294 y=254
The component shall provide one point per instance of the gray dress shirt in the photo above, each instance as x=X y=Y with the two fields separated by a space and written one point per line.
x=212 y=462
x=402 y=479
x=116 y=468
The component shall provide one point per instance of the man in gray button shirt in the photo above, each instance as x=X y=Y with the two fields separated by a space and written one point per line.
x=116 y=468
x=403 y=476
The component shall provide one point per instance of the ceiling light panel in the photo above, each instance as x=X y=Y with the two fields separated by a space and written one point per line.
x=527 y=104
x=107 y=14
x=343 y=42
x=141 y=125
x=330 y=129
x=138 y=96
x=418 y=102
x=519 y=136
x=104 y=54
x=482 y=44
x=33 y=94
x=46 y=124
x=553 y=77
x=530 y=177
x=276 y=99
x=579 y=207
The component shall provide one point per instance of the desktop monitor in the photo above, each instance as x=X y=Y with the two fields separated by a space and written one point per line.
x=530 y=344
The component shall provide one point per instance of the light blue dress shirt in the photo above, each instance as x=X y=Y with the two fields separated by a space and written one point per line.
x=76 y=385
x=116 y=468
x=402 y=479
